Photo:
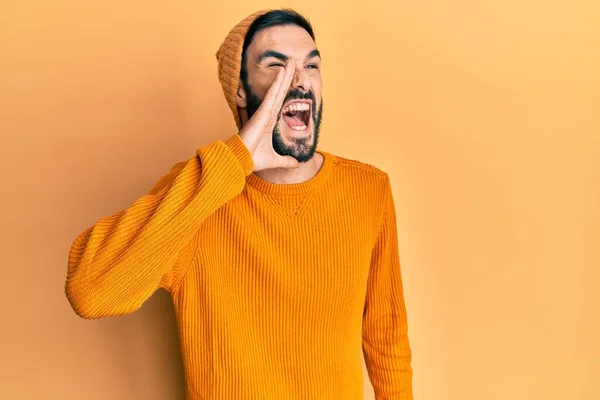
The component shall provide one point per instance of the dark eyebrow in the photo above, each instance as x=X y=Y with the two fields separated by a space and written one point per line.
x=314 y=53
x=272 y=53
x=283 y=57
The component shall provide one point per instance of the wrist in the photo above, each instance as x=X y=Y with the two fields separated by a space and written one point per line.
x=240 y=149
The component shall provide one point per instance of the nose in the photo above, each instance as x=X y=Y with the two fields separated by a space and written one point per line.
x=301 y=79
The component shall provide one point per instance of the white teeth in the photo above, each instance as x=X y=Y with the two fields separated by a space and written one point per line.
x=299 y=127
x=297 y=107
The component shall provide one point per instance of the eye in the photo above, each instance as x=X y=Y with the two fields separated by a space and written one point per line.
x=276 y=65
x=312 y=66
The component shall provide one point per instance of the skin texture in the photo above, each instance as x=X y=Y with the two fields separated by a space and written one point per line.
x=282 y=64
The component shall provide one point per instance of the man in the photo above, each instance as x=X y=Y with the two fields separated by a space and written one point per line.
x=281 y=260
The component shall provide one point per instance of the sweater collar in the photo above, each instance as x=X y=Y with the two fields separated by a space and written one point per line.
x=295 y=188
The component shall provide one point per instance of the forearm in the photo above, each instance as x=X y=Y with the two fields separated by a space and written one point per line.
x=386 y=345
x=387 y=354
x=115 y=265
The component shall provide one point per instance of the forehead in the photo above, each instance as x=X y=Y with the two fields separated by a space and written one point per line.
x=286 y=39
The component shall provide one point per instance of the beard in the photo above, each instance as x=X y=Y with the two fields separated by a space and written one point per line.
x=302 y=149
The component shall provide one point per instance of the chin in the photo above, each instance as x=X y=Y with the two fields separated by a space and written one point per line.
x=299 y=144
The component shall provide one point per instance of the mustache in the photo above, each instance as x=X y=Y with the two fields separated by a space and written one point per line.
x=297 y=94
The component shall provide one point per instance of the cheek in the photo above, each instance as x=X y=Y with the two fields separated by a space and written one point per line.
x=317 y=86
x=318 y=95
x=261 y=82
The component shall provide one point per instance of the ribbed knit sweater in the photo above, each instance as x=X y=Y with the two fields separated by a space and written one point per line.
x=276 y=288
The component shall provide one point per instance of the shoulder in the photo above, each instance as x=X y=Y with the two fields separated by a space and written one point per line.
x=365 y=187
x=367 y=175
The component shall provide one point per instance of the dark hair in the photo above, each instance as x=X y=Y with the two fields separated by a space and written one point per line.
x=272 y=18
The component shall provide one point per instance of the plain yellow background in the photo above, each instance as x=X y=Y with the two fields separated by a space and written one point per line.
x=484 y=113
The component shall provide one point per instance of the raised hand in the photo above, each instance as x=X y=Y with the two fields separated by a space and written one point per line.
x=257 y=134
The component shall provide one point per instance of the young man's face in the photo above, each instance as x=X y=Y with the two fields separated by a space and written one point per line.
x=296 y=132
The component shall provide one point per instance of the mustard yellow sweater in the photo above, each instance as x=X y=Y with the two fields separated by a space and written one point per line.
x=276 y=288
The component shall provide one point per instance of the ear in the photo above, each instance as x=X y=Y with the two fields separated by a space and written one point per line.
x=242 y=101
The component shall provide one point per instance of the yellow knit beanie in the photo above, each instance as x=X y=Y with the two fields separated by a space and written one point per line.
x=229 y=57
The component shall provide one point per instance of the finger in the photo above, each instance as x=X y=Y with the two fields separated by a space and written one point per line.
x=285 y=86
x=271 y=105
x=287 y=162
x=269 y=99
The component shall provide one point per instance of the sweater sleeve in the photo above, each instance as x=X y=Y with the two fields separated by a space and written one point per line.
x=117 y=264
x=385 y=333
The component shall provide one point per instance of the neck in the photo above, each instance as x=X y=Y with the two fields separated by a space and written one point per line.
x=302 y=173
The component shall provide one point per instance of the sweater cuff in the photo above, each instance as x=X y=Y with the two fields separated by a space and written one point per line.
x=239 y=149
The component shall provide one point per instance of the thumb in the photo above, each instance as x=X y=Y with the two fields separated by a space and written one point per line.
x=287 y=162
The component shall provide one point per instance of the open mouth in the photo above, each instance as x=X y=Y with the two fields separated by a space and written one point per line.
x=296 y=115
